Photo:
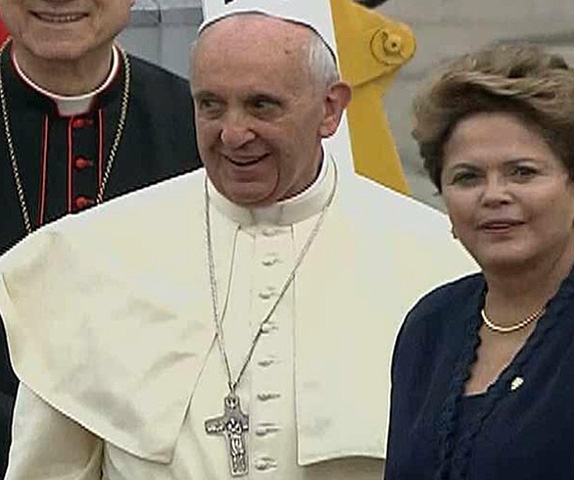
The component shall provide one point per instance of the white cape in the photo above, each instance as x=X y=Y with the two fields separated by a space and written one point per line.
x=109 y=320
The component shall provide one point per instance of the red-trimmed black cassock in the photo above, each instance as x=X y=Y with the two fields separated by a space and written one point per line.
x=62 y=150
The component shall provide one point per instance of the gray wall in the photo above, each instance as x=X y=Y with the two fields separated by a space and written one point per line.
x=162 y=30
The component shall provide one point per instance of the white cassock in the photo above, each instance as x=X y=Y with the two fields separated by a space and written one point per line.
x=111 y=331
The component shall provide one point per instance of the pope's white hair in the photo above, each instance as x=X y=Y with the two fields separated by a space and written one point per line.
x=322 y=63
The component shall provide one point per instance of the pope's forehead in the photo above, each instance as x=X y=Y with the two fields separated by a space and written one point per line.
x=245 y=30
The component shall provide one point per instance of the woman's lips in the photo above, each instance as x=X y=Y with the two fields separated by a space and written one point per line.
x=499 y=225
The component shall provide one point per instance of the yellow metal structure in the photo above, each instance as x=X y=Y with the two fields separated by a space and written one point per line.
x=371 y=49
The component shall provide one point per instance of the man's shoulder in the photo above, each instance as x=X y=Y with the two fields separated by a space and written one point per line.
x=400 y=234
x=132 y=229
x=392 y=218
x=387 y=205
x=150 y=208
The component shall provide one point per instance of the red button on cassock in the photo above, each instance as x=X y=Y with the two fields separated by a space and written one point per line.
x=78 y=122
x=82 y=202
x=81 y=122
x=80 y=163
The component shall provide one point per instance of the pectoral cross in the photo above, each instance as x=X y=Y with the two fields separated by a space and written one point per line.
x=232 y=424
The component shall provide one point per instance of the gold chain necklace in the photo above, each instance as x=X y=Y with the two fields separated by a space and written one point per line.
x=517 y=326
x=12 y=151
x=234 y=423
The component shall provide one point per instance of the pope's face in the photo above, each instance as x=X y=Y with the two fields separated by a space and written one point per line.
x=260 y=116
x=63 y=30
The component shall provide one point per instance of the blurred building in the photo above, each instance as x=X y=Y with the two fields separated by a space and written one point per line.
x=162 y=30
x=445 y=28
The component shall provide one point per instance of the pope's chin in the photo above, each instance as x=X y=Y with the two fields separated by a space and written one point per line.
x=248 y=194
x=254 y=186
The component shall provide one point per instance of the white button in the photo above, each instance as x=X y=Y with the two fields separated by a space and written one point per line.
x=268 y=327
x=270 y=232
x=270 y=260
x=274 y=231
x=266 y=396
x=265 y=429
x=266 y=362
x=267 y=293
x=265 y=463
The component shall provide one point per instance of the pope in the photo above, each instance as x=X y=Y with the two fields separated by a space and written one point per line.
x=251 y=334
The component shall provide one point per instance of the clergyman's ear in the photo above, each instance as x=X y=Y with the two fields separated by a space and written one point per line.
x=336 y=100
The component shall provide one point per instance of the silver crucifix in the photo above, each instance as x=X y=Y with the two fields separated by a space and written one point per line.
x=232 y=424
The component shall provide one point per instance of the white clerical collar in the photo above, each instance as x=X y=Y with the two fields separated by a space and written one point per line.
x=293 y=210
x=77 y=104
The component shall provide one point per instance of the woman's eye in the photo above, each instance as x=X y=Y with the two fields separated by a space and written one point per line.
x=465 y=178
x=523 y=172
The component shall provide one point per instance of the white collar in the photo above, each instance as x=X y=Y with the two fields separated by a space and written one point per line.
x=74 y=104
x=293 y=210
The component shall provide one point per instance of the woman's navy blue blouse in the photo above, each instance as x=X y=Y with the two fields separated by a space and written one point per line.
x=521 y=428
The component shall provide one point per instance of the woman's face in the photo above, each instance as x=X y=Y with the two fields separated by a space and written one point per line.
x=509 y=197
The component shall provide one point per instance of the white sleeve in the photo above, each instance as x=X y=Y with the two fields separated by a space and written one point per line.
x=48 y=445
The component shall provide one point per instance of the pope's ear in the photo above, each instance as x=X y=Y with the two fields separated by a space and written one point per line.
x=336 y=99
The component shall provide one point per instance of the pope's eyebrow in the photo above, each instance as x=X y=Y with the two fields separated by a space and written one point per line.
x=267 y=98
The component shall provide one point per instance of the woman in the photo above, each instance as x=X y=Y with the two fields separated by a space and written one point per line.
x=483 y=369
